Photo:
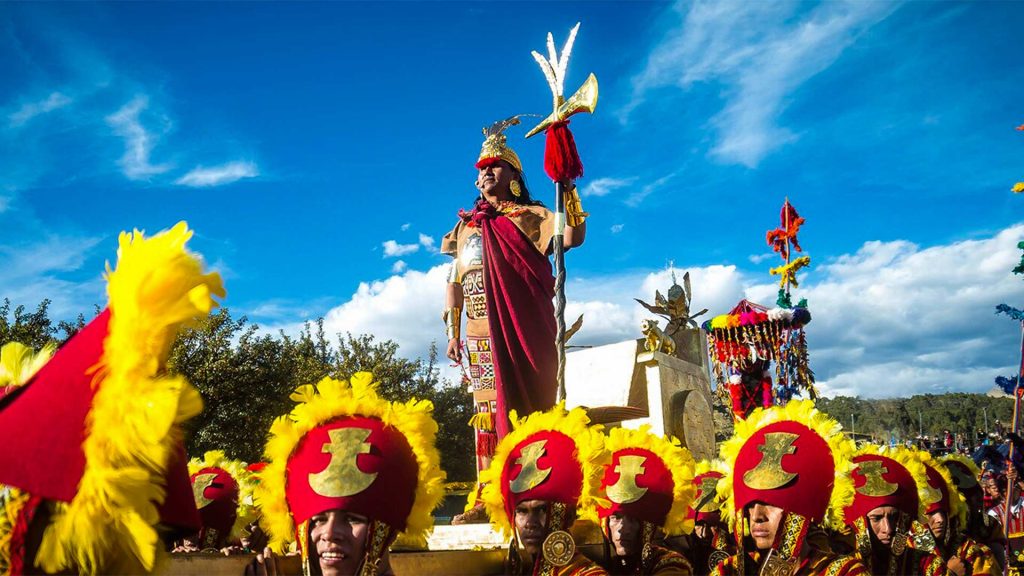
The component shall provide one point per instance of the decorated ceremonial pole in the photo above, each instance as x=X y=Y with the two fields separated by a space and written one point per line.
x=1017 y=315
x=562 y=164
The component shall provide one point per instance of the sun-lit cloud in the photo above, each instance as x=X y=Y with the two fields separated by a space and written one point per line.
x=758 y=54
x=605 y=186
x=30 y=110
x=138 y=140
x=616 y=228
x=393 y=249
x=427 y=242
x=399 y=266
x=202 y=177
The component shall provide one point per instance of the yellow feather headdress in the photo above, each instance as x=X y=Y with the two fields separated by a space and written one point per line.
x=330 y=400
x=134 y=425
x=243 y=477
x=589 y=451
x=677 y=459
x=957 y=504
x=802 y=412
x=905 y=457
x=18 y=363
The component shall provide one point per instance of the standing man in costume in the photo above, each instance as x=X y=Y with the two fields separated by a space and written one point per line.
x=789 y=477
x=946 y=515
x=882 y=514
x=347 y=472
x=546 y=472
x=502 y=278
x=647 y=487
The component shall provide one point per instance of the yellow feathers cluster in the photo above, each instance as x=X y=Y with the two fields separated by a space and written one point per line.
x=679 y=462
x=157 y=289
x=590 y=451
x=329 y=400
x=804 y=412
x=244 y=478
x=18 y=363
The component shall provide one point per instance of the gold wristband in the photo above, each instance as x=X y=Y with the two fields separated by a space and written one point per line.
x=452 y=321
x=574 y=213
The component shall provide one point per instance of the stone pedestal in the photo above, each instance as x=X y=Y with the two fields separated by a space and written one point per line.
x=628 y=386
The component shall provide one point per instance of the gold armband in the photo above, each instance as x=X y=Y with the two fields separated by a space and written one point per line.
x=452 y=321
x=574 y=213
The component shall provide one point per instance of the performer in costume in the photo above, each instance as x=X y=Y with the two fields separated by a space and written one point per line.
x=983 y=528
x=946 y=514
x=94 y=470
x=647 y=487
x=222 y=489
x=883 y=511
x=347 y=473
x=502 y=278
x=789 y=477
x=709 y=543
x=546 y=472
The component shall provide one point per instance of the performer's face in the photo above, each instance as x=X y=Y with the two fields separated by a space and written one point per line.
x=938 y=523
x=339 y=539
x=532 y=524
x=882 y=522
x=625 y=533
x=764 y=523
x=494 y=179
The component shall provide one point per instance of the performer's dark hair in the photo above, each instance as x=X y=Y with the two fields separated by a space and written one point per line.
x=524 y=197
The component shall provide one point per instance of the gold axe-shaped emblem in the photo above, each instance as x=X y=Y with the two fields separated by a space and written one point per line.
x=530 y=475
x=554 y=68
x=342 y=477
x=769 y=473
x=199 y=486
x=625 y=490
x=876 y=484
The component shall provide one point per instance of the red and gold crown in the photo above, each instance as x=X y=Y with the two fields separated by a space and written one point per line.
x=97 y=430
x=794 y=457
x=553 y=456
x=344 y=447
x=883 y=477
x=649 y=478
x=965 y=473
x=495 y=146
x=706 y=506
x=222 y=489
x=938 y=492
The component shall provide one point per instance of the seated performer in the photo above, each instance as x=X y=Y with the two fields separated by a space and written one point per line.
x=346 y=473
x=884 y=507
x=648 y=487
x=983 y=528
x=502 y=278
x=789 y=476
x=93 y=471
x=545 y=472
x=946 y=513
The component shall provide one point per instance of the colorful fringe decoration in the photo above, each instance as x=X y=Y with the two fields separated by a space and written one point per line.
x=486 y=442
x=780 y=238
x=788 y=272
x=561 y=160
x=483 y=421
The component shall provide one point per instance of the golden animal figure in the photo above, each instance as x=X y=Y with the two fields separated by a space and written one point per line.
x=655 y=339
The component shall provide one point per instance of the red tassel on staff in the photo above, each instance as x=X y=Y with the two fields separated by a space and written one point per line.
x=486 y=443
x=561 y=160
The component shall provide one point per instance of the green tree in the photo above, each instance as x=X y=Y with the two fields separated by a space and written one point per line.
x=35 y=329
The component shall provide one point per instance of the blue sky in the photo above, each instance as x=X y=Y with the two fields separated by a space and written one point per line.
x=321 y=150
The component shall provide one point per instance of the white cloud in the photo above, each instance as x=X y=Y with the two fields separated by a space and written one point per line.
x=605 y=186
x=405 y=227
x=758 y=258
x=393 y=249
x=761 y=53
x=218 y=175
x=139 y=142
x=427 y=242
x=616 y=228
x=637 y=198
x=32 y=271
x=30 y=110
x=399 y=266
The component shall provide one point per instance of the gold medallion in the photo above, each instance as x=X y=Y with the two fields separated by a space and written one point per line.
x=559 y=548
x=716 y=558
x=775 y=565
x=899 y=544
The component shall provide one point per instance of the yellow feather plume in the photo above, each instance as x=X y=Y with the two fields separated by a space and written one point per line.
x=589 y=451
x=157 y=289
x=677 y=459
x=18 y=363
x=331 y=399
x=803 y=412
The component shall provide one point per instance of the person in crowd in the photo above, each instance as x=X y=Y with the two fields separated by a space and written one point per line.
x=789 y=477
x=545 y=474
x=647 y=487
x=709 y=543
x=348 y=472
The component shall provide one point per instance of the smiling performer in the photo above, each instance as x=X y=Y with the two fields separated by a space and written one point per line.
x=347 y=472
x=789 y=477
x=502 y=278
x=545 y=473
x=648 y=488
